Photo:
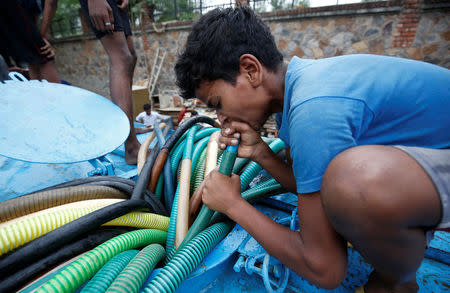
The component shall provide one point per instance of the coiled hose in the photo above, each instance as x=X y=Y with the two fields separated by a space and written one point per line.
x=204 y=217
x=170 y=243
x=15 y=280
x=106 y=275
x=143 y=193
x=125 y=185
x=187 y=259
x=183 y=196
x=72 y=277
x=55 y=239
x=22 y=232
x=254 y=168
x=91 y=203
x=33 y=202
x=133 y=276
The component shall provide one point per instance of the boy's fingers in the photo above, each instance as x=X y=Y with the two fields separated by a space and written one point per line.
x=235 y=178
x=111 y=19
x=240 y=126
x=228 y=140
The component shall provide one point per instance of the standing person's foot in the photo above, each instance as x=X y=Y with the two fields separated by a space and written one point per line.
x=131 y=152
x=143 y=129
x=376 y=284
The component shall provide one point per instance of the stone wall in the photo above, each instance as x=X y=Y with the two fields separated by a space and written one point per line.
x=416 y=29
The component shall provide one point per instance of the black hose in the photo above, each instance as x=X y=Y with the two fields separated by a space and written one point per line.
x=125 y=185
x=16 y=280
x=55 y=239
x=184 y=127
x=86 y=180
x=156 y=205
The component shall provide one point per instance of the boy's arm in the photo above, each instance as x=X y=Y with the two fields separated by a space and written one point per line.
x=316 y=252
x=279 y=169
x=47 y=16
x=139 y=118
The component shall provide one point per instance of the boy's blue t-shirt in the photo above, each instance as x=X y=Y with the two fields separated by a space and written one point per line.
x=336 y=103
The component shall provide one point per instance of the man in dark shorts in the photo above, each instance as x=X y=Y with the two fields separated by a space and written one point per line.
x=20 y=39
x=110 y=23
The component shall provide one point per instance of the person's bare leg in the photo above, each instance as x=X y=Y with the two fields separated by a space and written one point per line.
x=381 y=200
x=48 y=72
x=120 y=78
x=34 y=71
x=133 y=56
x=143 y=129
x=130 y=44
x=45 y=71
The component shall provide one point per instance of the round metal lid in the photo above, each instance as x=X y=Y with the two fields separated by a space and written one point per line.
x=44 y=122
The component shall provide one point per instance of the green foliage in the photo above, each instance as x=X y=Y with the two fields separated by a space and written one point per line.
x=67 y=7
x=163 y=10
x=66 y=21
x=288 y=4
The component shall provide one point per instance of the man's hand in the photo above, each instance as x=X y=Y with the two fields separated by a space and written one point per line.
x=220 y=192
x=47 y=50
x=101 y=15
x=251 y=144
x=122 y=4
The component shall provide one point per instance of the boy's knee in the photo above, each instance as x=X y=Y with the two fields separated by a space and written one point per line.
x=351 y=185
x=122 y=59
x=133 y=57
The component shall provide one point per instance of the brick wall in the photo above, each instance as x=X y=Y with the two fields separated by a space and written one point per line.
x=415 y=29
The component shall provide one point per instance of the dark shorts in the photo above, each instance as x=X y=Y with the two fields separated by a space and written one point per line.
x=19 y=36
x=436 y=162
x=121 y=20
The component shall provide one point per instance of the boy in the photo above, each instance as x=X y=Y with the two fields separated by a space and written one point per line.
x=367 y=136
x=149 y=117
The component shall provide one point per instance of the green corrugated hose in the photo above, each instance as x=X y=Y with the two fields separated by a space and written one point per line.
x=159 y=186
x=207 y=131
x=187 y=259
x=106 y=275
x=253 y=168
x=74 y=275
x=133 y=276
x=198 y=149
x=170 y=248
x=202 y=221
x=258 y=192
x=199 y=171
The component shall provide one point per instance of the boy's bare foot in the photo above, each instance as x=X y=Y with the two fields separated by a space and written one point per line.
x=377 y=284
x=131 y=152
x=143 y=129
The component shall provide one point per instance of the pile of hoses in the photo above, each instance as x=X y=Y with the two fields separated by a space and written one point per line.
x=106 y=233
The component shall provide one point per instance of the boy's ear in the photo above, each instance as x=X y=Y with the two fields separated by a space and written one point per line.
x=252 y=68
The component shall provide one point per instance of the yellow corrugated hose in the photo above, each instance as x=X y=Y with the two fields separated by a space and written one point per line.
x=22 y=232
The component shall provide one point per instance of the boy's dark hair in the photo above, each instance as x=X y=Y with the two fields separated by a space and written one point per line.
x=147 y=107
x=216 y=43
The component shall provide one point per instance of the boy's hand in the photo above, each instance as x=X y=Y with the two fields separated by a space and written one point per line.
x=47 y=49
x=251 y=144
x=122 y=4
x=220 y=192
x=101 y=15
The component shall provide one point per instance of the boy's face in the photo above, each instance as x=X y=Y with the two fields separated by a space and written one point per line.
x=240 y=102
